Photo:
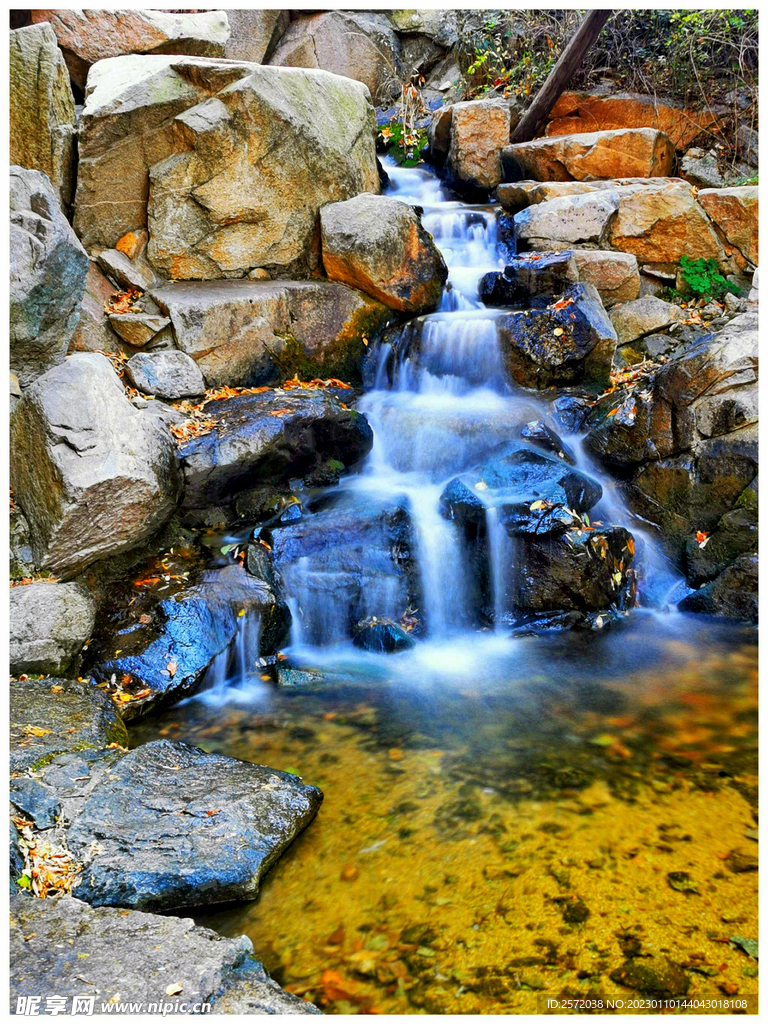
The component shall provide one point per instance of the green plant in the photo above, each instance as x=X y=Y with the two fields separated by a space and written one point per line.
x=704 y=279
x=404 y=137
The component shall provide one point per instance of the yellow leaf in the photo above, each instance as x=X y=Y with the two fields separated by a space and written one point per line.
x=171 y=668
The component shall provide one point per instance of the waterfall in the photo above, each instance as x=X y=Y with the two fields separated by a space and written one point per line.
x=438 y=401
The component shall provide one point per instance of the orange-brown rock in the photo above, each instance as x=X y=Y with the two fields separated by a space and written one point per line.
x=87 y=36
x=479 y=131
x=631 y=152
x=577 y=112
x=378 y=245
x=735 y=213
x=661 y=223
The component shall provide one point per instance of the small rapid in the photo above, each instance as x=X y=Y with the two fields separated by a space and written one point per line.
x=438 y=401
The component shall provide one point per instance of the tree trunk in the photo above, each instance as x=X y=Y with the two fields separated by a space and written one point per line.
x=560 y=75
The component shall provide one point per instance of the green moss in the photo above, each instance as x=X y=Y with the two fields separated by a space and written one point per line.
x=747 y=499
x=343 y=356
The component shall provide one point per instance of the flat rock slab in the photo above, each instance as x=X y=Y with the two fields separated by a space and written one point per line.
x=172 y=826
x=67 y=948
x=251 y=990
x=49 y=623
x=274 y=435
x=50 y=716
x=258 y=332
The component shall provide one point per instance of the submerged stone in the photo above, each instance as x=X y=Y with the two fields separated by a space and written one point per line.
x=382 y=637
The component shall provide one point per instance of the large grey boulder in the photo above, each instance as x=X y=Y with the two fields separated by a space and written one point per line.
x=88 y=36
x=567 y=220
x=639 y=317
x=168 y=374
x=360 y=45
x=378 y=244
x=259 y=332
x=42 y=108
x=94 y=475
x=49 y=623
x=135 y=957
x=51 y=716
x=172 y=826
x=274 y=436
x=254 y=34
x=47 y=276
x=232 y=160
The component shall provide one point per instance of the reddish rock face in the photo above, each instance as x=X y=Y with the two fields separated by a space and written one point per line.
x=577 y=112
x=640 y=152
x=734 y=212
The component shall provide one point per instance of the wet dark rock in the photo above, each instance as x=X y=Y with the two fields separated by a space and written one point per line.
x=48 y=716
x=526 y=276
x=514 y=479
x=262 y=503
x=735 y=534
x=664 y=415
x=339 y=556
x=571 y=411
x=691 y=492
x=169 y=654
x=172 y=826
x=654 y=976
x=140 y=956
x=272 y=437
x=381 y=636
x=565 y=343
x=733 y=595
x=539 y=434
x=742 y=861
x=579 y=570
x=49 y=623
x=35 y=801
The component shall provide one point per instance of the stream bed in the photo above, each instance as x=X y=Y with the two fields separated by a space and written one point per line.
x=507 y=819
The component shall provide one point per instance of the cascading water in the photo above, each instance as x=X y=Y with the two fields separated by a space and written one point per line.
x=438 y=403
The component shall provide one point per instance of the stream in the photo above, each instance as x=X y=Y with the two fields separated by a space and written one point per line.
x=508 y=815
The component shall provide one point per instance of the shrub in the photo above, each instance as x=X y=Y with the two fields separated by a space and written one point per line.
x=704 y=279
